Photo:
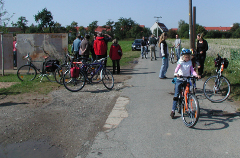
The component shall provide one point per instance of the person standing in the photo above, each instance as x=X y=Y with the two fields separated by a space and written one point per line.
x=85 y=47
x=202 y=47
x=143 y=48
x=164 y=52
x=115 y=54
x=76 y=46
x=14 y=51
x=177 y=46
x=100 y=46
x=153 y=43
x=92 y=50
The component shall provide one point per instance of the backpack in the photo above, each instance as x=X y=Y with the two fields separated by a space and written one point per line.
x=51 y=65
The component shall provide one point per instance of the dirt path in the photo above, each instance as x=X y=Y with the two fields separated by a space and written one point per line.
x=61 y=124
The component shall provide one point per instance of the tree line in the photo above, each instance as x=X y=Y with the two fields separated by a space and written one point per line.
x=183 y=31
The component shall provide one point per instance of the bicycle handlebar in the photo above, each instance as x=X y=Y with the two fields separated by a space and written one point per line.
x=187 y=77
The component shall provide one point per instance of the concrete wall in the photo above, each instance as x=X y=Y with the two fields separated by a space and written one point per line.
x=7 y=42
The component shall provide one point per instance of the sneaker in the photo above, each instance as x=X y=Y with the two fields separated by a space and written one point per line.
x=172 y=114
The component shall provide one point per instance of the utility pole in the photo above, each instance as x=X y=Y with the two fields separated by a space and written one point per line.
x=190 y=24
x=158 y=17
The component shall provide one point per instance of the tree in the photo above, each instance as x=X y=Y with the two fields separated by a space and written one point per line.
x=201 y=29
x=45 y=19
x=22 y=23
x=235 y=27
x=172 y=33
x=183 y=29
x=122 y=27
x=109 y=25
x=92 y=27
x=4 y=17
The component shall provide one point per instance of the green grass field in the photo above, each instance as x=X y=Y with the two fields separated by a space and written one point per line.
x=226 y=48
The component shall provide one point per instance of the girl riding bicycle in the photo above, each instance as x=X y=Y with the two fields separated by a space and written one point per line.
x=184 y=68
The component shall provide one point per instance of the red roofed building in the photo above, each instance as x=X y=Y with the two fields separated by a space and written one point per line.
x=217 y=28
x=211 y=28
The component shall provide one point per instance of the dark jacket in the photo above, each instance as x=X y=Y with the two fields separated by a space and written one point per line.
x=202 y=47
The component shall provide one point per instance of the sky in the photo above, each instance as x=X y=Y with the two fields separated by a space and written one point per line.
x=209 y=13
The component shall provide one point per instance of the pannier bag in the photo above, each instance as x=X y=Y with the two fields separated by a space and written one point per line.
x=218 y=61
x=75 y=72
x=51 y=65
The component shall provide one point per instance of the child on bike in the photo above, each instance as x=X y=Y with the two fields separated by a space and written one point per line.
x=184 y=68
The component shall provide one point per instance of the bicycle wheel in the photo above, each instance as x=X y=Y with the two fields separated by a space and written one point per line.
x=172 y=58
x=216 y=90
x=50 y=76
x=107 y=78
x=26 y=73
x=191 y=112
x=73 y=84
x=59 y=72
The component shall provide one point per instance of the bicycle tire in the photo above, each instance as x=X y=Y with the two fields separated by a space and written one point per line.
x=26 y=73
x=107 y=79
x=59 y=72
x=216 y=94
x=50 y=76
x=191 y=115
x=73 y=84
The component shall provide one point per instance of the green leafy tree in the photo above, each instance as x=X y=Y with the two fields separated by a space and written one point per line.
x=122 y=27
x=82 y=30
x=236 y=33
x=235 y=27
x=92 y=27
x=22 y=23
x=4 y=17
x=183 y=29
x=201 y=29
x=172 y=33
x=109 y=25
x=45 y=19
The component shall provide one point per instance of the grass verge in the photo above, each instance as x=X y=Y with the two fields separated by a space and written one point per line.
x=45 y=87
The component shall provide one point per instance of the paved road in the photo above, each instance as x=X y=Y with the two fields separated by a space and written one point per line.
x=148 y=130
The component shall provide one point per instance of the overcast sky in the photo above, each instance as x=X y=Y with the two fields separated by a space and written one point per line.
x=210 y=13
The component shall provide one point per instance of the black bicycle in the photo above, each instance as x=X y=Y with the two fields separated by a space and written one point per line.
x=29 y=71
x=82 y=72
x=59 y=72
x=217 y=88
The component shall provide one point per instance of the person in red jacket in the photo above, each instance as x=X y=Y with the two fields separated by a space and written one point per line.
x=115 y=54
x=99 y=46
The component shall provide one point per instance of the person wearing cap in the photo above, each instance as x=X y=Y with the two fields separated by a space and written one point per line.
x=202 y=47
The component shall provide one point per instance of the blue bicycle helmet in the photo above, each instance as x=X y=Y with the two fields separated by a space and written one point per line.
x=186 y=51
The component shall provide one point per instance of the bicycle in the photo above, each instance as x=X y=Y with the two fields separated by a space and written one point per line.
x=171 y=58
x=29 y=71
x=75 y=78
x=217 y=88
x=188 y=104
x=59 y=72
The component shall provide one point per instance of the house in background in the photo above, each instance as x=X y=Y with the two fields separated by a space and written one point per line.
x=211 y=28
x=159 y=25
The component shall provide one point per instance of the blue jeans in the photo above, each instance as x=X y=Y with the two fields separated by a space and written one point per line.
x=177 y=50
x=176 y=94
x=164 y=68
x=143 y=51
